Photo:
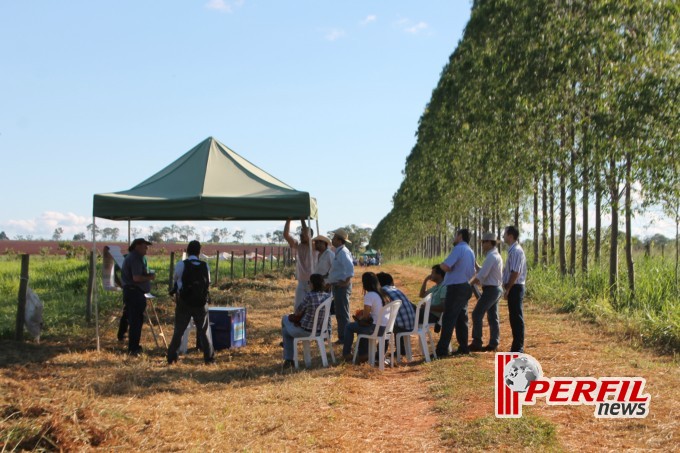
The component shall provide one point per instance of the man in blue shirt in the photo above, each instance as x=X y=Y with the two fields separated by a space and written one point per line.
x=340 y=278
x=460 y=268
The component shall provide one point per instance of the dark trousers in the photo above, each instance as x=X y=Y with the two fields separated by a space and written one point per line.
x=487 y=304
x=341 y=304
x=455 y=315
x=135 y=302
x=123 y=325
x=355 y=328
x=183 y=314
x=516 y=312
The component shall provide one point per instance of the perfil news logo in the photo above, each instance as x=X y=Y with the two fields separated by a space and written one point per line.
x=520 y=381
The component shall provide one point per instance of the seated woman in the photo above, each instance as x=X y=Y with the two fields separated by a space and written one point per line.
x=366 y=320
x=300 y=323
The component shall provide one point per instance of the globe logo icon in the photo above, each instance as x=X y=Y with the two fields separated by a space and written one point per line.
x=520 y=372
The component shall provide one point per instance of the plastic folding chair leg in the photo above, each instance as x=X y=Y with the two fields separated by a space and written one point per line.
x=399 y=336
x=322 y=351
x=424 y=348
x=381 y=355
x=409 y=351
x=392 y=350
x=295 y=351
x=371 y=352
x=307 y=352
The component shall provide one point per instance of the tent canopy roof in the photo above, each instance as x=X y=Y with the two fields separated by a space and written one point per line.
x=209 y=182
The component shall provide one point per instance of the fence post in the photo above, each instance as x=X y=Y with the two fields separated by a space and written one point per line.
x=232 y=265
x=90 y=287
x=271 y=258
x=278 y=258
x=217 y=267
x=244 y=264
x=21 y=309
x=255 y=268
x=172 y=271
x=264 y=258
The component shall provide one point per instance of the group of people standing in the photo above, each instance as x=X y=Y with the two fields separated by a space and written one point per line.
x=461 y=272
x=453 y=287
x=325 y=268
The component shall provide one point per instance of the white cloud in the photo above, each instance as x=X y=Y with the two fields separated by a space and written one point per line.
x=408 y=26
x=370 y=18
x=417 y=28
x=334 y=34
x=224 y=6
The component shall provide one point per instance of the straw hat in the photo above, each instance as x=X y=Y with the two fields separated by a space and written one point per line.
x=322 y=238
x=489 y=237
x=342 y=234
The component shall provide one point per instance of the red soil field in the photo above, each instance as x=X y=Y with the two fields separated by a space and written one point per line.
x=161 y=248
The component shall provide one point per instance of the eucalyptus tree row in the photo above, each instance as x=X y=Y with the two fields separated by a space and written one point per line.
x=553 y=106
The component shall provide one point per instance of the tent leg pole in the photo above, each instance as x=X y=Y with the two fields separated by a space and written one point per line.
x=94 y=285
x=129 y=232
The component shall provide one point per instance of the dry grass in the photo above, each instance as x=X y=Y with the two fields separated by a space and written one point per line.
x=62 y=395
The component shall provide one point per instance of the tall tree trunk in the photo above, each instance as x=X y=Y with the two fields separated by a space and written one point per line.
x=629 y=234
x=563 y=225
x=572 y=208
x=499 y=227
x=552 y=218
x=614 y=241
x=584 y=208
x=598 y=220
x=544 y=221
x=536 y=221
x=516 y=219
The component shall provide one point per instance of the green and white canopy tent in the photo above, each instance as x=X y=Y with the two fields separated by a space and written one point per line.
x=209 y=182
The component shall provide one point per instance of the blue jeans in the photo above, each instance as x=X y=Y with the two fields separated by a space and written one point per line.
x=289 y=332
x=354 y=328
x=341 y=304
x=515 y=310
x=455 y=315
x=487 y=304
x=135 y=301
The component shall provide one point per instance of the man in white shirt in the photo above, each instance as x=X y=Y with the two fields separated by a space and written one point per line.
x=490 y=276
x=514 y=278
x=325 y=257
x=304 y=259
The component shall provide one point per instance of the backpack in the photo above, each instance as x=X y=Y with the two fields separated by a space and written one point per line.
x=195 y=282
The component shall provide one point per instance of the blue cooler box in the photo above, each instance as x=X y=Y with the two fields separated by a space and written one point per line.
x=227 y=327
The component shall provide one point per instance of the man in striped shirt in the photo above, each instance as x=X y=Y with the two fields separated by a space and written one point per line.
x=490 y=276
x=514 y=278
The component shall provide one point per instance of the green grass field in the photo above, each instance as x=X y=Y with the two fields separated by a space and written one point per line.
x=61 y=284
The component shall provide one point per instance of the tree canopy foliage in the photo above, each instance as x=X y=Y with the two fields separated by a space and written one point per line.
x=551 y=99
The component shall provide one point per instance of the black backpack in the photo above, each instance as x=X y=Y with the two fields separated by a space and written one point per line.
x=195 y=282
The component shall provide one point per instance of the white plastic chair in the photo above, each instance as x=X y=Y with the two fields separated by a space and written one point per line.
x=320 y=338
x=421 y=330
x=389 y=310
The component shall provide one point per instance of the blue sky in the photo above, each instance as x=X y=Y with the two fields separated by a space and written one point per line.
x=97 y=96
